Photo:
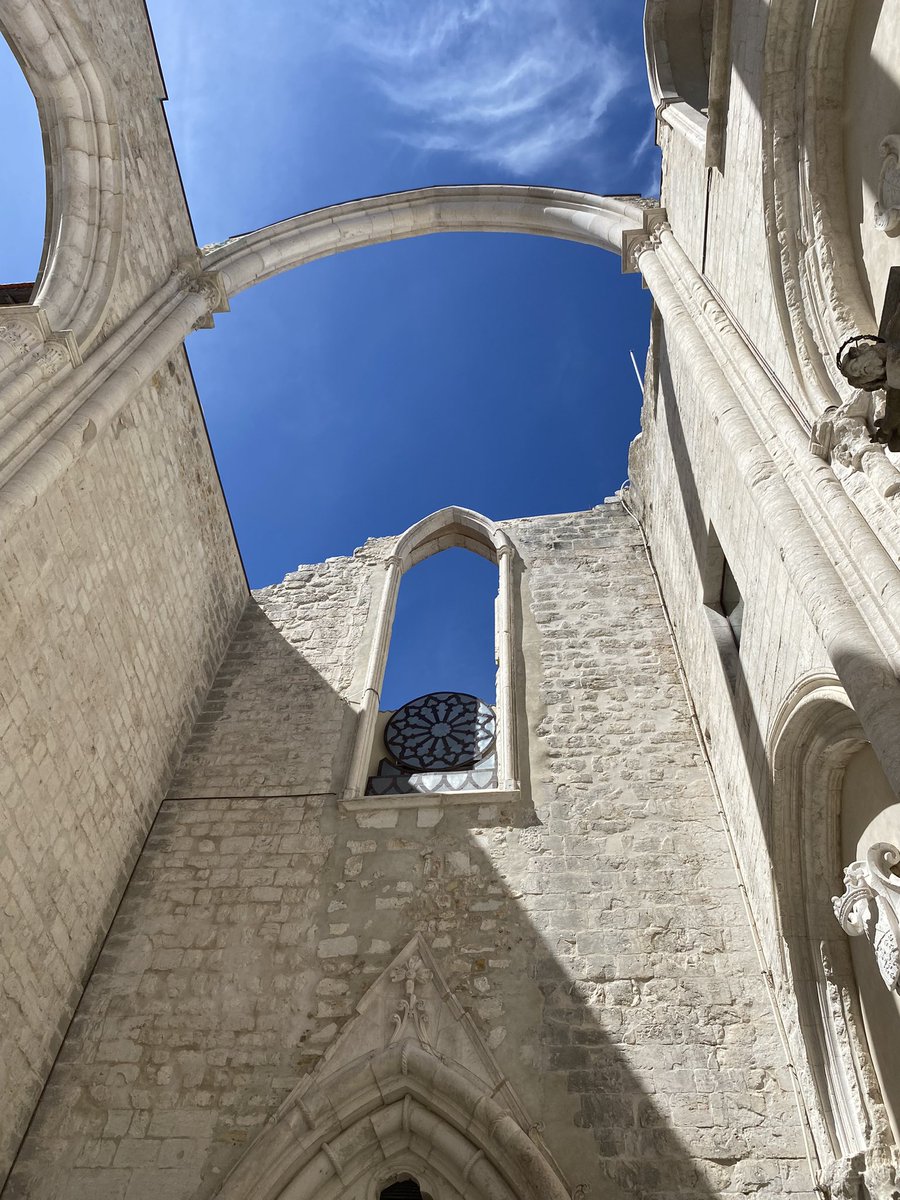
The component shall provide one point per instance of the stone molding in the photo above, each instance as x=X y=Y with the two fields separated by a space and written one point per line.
x=408 y=1084
x=819 y=296
x=61 y=421
x=813 y=736
x=829 y=560
x=441 y=530
x=499 y=208
x=84 y=161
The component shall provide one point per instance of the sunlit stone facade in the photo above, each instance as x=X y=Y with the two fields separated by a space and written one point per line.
x=655 y=953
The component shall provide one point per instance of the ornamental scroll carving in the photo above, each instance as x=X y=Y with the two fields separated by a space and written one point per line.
x=870 y=908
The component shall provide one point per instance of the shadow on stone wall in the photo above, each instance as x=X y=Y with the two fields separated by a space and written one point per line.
x=271 y=724
x=229 y=970
x=596 y=932
x=745 y=718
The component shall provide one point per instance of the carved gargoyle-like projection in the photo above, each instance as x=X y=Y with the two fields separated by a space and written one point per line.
x=870 y=907
x=871 y=362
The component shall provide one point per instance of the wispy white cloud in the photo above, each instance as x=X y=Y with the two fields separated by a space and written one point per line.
x=515 y=83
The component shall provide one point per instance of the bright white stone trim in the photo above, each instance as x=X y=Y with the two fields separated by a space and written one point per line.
x=449 y=527
x=85 y=201
x=494 y=208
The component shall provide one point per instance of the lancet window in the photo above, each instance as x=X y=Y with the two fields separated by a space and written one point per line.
x=446 y=741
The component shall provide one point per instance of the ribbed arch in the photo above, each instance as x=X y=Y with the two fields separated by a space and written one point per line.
x=400 y=1110
x=251 y=258
x=84 y=163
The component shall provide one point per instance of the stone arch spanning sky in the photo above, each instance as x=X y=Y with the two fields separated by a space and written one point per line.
x=351 y=397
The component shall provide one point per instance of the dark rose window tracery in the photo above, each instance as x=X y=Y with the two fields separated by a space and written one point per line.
x=443 y=731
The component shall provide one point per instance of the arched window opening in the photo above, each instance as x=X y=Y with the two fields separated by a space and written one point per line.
x=688 y=62
x=688 y=31
x=445 y=741
x=443 y=634
x=724 y=606
x=22 y=182
x=433 y=739
x=403 y=1189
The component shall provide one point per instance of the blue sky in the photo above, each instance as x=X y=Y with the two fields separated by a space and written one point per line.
x=350 y=398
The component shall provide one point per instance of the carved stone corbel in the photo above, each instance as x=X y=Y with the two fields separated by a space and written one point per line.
x=870 y=907
x=871 y=1174
x=25 y=331
x=887 y=206
x=636 y=241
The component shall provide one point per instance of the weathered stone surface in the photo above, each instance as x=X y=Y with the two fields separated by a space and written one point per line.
x=594 y=929
x=119 y=591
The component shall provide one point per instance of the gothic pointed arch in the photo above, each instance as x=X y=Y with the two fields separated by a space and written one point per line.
x=409 y=1089
x=452 y=526
x=815 y=739
x=448 y=527
x=84 y=164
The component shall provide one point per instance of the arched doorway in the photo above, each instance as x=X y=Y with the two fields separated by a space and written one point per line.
x=403 y=1189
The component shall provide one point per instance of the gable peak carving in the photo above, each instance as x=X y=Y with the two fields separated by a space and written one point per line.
x=409 y=1069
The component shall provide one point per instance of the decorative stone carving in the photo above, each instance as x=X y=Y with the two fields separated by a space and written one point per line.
x=842 y=1178
x=871 y=362
x=871 y=1173
x=209 y=285
x=362 y=1111
x=636 y=241
x=843 y=437
x=870 y=907
x=887 y=206
x=411 y=1015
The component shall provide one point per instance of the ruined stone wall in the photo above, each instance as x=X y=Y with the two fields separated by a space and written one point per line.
x=119 y=590
x=278 y=720
x=594 y=929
